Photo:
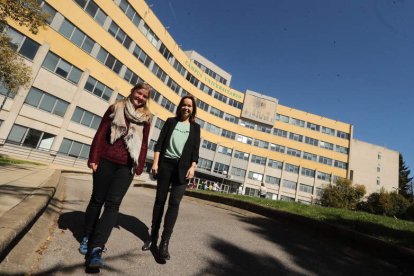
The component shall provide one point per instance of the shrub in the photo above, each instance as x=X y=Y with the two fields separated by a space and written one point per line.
x=342 y=194
x=388 y=204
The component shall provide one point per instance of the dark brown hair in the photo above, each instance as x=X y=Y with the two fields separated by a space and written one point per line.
x=193 y=114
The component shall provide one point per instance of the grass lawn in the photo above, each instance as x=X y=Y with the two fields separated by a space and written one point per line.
x=396 y=231
x=4 y=161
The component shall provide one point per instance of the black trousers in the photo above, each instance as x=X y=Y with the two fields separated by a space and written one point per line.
x=110 y=184
x=167 y=176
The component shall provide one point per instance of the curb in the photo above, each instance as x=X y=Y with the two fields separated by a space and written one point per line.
x=353 y=238
x=22 y=216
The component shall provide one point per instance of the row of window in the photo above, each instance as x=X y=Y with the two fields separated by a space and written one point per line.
x=210 y=72
x=312 y=126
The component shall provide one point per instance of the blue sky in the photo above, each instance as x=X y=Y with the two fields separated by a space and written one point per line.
x=349 y=60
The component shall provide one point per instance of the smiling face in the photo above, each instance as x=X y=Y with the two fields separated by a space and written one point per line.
x=139 y=97
x=186 y=109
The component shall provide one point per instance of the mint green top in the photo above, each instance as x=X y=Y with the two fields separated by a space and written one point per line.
x=177 y=140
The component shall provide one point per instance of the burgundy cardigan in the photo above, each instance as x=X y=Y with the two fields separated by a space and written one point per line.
x=116 y=152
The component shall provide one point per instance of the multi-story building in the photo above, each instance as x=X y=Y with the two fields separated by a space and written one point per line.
x=93 y=51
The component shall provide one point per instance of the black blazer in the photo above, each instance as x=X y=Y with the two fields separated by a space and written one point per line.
x=191 y=147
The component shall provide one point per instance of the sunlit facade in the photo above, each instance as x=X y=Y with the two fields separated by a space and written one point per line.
x=93 y=51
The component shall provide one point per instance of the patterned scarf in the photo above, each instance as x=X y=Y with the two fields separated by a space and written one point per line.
x=133 y=134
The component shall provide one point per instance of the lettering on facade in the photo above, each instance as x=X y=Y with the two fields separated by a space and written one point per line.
x=212 y=83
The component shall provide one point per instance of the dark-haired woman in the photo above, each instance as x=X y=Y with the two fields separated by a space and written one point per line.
x=117 y=153
x=175 y=160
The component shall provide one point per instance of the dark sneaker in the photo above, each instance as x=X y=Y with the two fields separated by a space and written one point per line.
x=83 y=246
x=94 y=259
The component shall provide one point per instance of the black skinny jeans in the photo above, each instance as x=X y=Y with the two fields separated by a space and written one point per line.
x=167 y=175
x=110 y=184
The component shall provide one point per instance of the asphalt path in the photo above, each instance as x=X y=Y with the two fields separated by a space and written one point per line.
x=208 y=239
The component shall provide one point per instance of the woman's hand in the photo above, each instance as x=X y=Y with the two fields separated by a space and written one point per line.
x=93 y=166
x=190 y=172
x=154 y=169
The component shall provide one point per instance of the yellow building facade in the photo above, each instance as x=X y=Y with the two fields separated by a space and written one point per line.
x=93 y=51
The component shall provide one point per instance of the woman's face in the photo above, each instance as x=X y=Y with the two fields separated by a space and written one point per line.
x=139 y=97
x=186 y=109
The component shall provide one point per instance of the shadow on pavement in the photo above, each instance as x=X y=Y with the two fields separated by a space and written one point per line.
x=309 y=249
x=73 y=221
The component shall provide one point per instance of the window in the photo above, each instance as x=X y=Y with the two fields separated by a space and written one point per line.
x=130 y=12
x=328 y=131
x=241 y=155
x=342 y=135
x=282 y=118
x=251 y=192
x=193 y=80
x=306 y=188
x=258 y=159
x=235 y=103
x=255 y=176
x=313 y=126
x=168 y=104
x=22 y=44
x=291 y=168
x=152 y=144
x=272 y=180
x=231 y=118
x=247 y=124
x=275 y=164
x=311 y=141
x=200 y=122
x=278 y=148
x=165 y=52
x=74 y=149
x=204 y=164
x=179 y=67
x=378 y=169
x=149 y=34
x=295 y=137
x=212 y=128
x=319 y=191
x=155 y=95
x=341 y=149
x=307 y=172
x=216 y=112
x=98 y=89
x=220 y=97
x=86 y=118
x=340 y=164
x=173 y=85
x=206 y=89
x=238 y=172
x=119 y=35
x=297 y=122
x=221 y=168
x=325 y=160
x=93 y=10
x=209 y=145
x=159 y=72
x=202 y=105
x=225 y=150
x=280 y=132
x=326 y=145
x=109 y=60
x=293 y=152
x=75 y=35
x=379 y=155
x=132 y=78
x=244 y=139
x=49 y=10
x=323 y=176
x=289 y=184
x=263 y=128
x=62 y=68
x=141 y=56
x=30 y=137
x=309 y=156
x=44 y=101
x=159 y=123
x=261 y=144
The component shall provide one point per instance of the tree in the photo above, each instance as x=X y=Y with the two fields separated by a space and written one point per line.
x=13 y=72
x=343 y=194
x=386 y=203
x=404 y=180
